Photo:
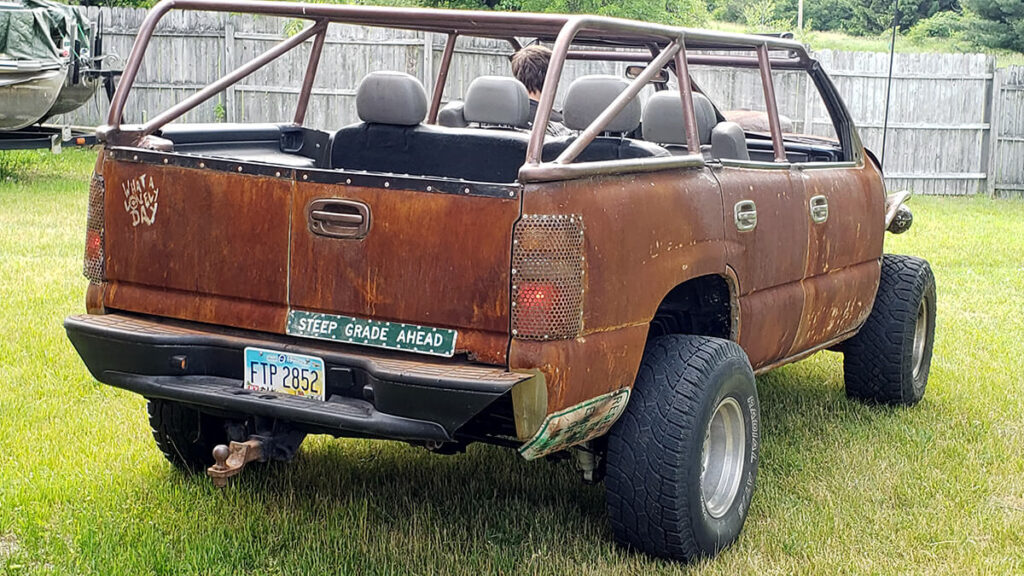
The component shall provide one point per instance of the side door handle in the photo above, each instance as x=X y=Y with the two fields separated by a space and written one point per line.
x=745 y=214
x=819 y=209
x=336 y=218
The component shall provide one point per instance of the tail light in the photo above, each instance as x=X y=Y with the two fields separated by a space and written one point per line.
x=94 y=244
x=547 y=277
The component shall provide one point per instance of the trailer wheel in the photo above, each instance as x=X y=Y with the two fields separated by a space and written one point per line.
x=185 y=435
x=889 y=359
x=682 y=460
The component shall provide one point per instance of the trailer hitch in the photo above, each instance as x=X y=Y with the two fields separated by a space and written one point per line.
x=230 y=459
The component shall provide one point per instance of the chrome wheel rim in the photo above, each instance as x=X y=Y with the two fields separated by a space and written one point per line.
x=725 y=446
x=920 y=336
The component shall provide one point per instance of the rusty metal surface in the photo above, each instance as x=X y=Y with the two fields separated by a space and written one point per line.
x=236 y=249
x=442 y=77
x=765 y=68
x=580 y=369
x=204 y=245
x=308 y=79
x=843 y=253
x=645 y=234
x=439 y=260
x=769 y=261
x=231 y=459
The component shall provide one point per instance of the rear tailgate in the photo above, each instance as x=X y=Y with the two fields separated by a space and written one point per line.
x=232 y=244
x=197 y=244
x=435 y=256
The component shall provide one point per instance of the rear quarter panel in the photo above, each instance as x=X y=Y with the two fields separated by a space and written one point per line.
x=643 y=235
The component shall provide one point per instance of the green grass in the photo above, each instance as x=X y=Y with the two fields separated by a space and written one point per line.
x=843 y=488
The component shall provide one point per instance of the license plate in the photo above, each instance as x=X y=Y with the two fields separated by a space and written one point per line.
x=390 y=335
x=274 y=371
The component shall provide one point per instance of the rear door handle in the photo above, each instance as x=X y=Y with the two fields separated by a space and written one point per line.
x=335 y=218
x=819 y=209
x=745 y=214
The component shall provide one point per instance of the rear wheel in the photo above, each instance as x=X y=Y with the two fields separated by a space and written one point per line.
x=185 y=435
x=682 y=460
x=889 y=359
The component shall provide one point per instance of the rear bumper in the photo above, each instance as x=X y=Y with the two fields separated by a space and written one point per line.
x=369 y=393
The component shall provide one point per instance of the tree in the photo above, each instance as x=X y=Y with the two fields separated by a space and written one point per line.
x=678 y=12
x=999 y=23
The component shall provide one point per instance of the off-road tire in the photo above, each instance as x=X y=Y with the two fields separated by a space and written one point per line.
x=655 y=451
x=185 y=435
x=879 y=362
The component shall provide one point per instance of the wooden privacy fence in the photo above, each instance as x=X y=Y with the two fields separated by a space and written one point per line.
x=956 y=123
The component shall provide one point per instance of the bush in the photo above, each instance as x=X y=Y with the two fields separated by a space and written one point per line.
x=942 y=25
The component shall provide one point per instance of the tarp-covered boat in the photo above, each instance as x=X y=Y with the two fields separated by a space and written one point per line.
x=45 y=50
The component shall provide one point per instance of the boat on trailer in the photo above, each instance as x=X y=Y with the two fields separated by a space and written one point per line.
x=49 y=61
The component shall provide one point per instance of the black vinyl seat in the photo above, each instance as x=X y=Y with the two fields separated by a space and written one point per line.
x=392 y=139
x=586 y=98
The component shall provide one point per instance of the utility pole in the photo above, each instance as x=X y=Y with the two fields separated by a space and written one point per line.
x=800 y=16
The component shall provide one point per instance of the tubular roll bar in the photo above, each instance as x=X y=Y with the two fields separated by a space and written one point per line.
x=666 y=44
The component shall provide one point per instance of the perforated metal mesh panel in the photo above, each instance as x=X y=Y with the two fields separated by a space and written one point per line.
x=94 y=241
x=547 y=277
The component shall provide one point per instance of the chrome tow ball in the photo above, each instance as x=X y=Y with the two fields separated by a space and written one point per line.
x=232 y=458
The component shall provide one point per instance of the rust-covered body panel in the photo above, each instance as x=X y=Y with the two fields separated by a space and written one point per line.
x=443 y=259
x=843 y=254
x=235 y=249
x=212 y=248
x=430 y=258
x=769 y=260
x=645 y=234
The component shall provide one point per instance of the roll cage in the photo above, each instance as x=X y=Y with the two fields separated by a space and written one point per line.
x=574 y=37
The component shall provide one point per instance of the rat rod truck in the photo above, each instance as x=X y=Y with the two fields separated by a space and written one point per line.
x=442 y=275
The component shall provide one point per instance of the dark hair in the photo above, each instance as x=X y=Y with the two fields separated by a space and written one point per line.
x=530 y=66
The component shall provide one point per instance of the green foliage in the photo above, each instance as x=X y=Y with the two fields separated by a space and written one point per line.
x=760 y=17
x=679 y=12
x=950 y=25
x=12 y=164
x=999 y=23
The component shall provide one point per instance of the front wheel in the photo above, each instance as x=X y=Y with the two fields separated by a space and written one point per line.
x=889 y=359
x=682 y=460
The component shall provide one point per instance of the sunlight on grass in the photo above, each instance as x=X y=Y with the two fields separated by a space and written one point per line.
x=843 y=488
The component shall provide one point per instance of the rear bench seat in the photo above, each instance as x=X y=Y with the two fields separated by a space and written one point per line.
x=391 y=137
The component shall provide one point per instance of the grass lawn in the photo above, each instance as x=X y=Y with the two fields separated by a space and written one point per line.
x=843 y=488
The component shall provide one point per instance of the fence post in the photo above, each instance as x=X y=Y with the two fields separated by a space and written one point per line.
x=992 y=148
x=990 y=140
x=230 y=113
x=428 y=63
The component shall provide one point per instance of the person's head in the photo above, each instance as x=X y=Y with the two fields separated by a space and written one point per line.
x=530 y=66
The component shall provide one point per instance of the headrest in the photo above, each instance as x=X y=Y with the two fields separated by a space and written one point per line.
x=391 y=98
x=663 y=118
x=500 y=100
x=588 y=96
x=451 y=115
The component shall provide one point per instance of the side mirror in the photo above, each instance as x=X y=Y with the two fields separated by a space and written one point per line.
x=633 y=71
